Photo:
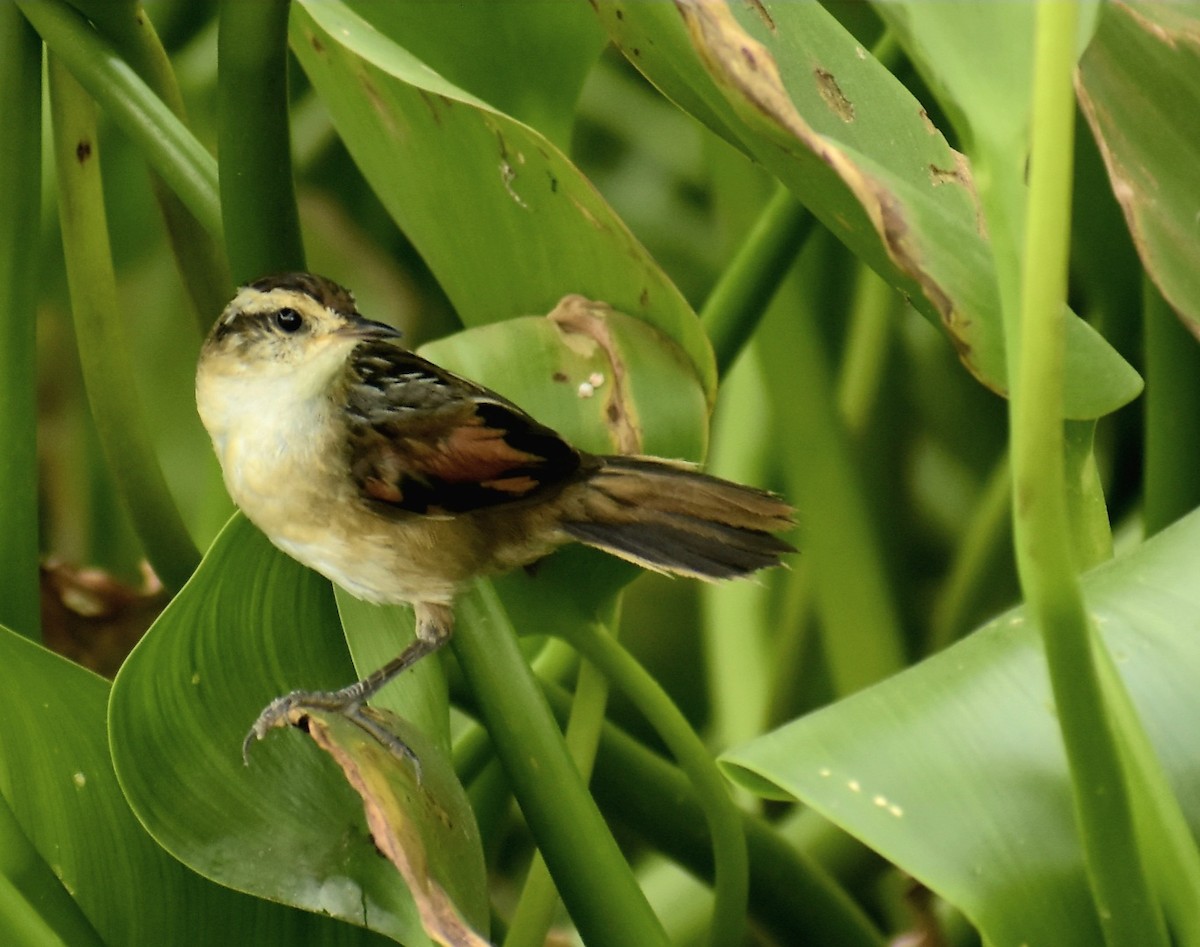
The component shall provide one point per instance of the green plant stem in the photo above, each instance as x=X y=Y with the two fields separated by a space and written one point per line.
x=1172 y=414
x=968 y=571
x=796 y=618
x=472 y=753
x=865 y=355
x=199 y=258
x=736 y=627
x=789 y=893
x=724 y=821
x=258 y=196
x=104 y=353
x=1104 y=809
x=534 y=915
x=738 y=302
x=20 y=187
x=596 y=885
x=1087 y=510
x=189 y=170
x=862 y=637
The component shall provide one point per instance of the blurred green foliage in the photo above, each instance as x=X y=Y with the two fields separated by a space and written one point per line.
x=553 y=149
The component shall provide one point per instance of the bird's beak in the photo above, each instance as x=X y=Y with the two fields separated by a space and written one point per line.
x=361 y=328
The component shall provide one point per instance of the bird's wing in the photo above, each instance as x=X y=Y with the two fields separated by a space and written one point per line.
x=423 y=440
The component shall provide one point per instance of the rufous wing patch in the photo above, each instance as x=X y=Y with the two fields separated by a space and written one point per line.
x=475 y=453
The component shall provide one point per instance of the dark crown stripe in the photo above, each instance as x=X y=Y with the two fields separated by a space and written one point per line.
x=325 y=291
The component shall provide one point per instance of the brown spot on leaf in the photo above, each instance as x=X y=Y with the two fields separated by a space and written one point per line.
x=559 y=377
x=435 y=103
x=927 y=122
x=940 y=176
x=832 y=95
x=315 y=42
x=961 y=175
x=763 y=14
x=83 y=151
x=584 y=328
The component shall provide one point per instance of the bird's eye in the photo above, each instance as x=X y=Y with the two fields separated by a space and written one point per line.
x=288 y=320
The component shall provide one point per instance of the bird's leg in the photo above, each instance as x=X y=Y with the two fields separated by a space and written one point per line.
x=434 y=625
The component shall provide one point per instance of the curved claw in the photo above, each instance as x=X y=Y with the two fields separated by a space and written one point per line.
x=275 y=714
x=347 y=702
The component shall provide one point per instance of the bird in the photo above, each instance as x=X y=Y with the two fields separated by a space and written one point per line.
x=402 y=482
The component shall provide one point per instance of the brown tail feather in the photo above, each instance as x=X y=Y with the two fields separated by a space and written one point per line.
x=671 y=518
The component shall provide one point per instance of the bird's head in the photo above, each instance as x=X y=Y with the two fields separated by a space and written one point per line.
x=296 y=324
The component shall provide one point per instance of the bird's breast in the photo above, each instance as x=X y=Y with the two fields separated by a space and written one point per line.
x=284 y=465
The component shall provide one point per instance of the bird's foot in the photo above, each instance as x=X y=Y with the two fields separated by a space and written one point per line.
x=291 y=710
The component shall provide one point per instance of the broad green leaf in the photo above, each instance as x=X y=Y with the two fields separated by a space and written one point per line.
x=35 y=907
x=786 y=83
x=250 y=625
x=1139 y=86
x=507 y=224
x=960 y=49
x=955 y=770
x=526 y=60
x=60 y=792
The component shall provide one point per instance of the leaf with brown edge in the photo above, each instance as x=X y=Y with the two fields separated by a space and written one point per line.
x=420 y=821
x=524 y=225
x=789 y=86
x=1139 y=87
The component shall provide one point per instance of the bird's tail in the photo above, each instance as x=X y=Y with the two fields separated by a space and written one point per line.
x=671 y=518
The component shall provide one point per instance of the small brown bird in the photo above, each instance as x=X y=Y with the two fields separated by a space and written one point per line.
x=402 y=482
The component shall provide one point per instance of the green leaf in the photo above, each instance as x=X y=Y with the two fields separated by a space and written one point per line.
x=959 y=50
x=258 y=194
x=1139 y=86
x=88 y=865
x=173 y=152
x=253 y=624
x=505 y=221
x=20 y=180
x=955 y=770
x=787 y=84
x=525 y=60
x=591 y=874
